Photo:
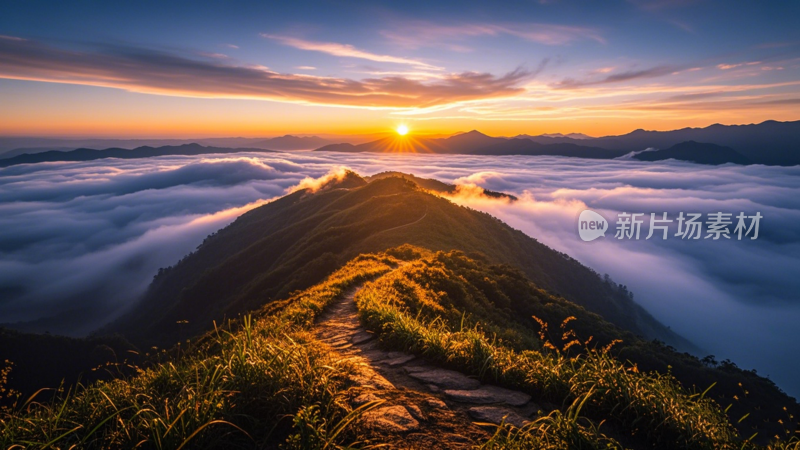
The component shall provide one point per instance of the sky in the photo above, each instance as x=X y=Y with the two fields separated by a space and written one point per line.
x=82 y=240
x=223 y=68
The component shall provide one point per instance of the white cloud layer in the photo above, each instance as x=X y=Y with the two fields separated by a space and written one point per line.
x=81 y=237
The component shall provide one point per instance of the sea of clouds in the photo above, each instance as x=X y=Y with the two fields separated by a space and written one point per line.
x=81 y=241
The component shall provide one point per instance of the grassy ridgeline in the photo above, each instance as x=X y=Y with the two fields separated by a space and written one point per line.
x=297 y=240
x=490 y=321
x=238 y=387
x=267 y=382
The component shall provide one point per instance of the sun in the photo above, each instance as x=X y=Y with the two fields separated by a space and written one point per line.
x=402 y=130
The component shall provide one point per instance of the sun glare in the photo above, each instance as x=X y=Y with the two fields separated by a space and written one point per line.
x=402 y=130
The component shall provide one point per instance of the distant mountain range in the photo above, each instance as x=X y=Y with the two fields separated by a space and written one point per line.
x=290 y=142
x=695 y=152
x=771 y=142
x=475 y=143
x=555 y=136
x=13 y=146
x=87 y=154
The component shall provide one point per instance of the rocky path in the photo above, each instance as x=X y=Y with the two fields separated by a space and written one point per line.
x=425 y=406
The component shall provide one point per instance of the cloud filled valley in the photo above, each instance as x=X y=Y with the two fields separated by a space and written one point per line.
x=81 y=241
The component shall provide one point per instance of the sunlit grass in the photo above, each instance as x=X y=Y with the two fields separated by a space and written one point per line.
x=650 y=407
x=264 y=381
x=257 y=380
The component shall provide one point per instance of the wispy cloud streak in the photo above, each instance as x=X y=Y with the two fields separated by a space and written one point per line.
x=346 y=51
x=418 y=34
x=630 y=75
x=156 y=72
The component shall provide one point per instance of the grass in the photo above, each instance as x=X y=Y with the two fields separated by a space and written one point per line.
x=264 y=381
x=555 y=431
x=252 y=383
x=651 y=408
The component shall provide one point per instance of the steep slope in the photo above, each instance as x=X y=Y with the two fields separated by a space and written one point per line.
x=316 y=370
x=295 y=241
x=432 y=303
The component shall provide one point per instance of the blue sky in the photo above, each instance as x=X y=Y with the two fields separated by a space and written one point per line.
x=252 y=68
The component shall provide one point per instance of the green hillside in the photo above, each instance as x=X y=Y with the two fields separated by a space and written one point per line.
x=269 y=379
x=452 y=291
x=296 y=241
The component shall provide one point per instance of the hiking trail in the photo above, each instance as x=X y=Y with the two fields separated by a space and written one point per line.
x=425 y=406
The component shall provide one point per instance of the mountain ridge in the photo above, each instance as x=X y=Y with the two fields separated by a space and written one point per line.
x=87 y=154
x=770 y=142
x=696 y=152
x=294 y=241
x=440 y=326
x=449 y=285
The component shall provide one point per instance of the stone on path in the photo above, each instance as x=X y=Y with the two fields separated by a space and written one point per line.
x=447 y=379
x=398 y=361
x=489 y=394
x=374 y=355
x=368 y=377
x=390 y=418
x=496 y=414
x=416 y=412
x=361 y=337
x=365 y=398
x=435 y=403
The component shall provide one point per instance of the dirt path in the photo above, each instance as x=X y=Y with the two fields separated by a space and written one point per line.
x=425 y=406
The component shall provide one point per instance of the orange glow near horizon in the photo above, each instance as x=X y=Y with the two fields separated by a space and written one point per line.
x=129 y=125
x=406 y=144
x=114 y=114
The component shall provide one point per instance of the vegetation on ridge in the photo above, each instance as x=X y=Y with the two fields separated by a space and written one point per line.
x=236 y=387
x=265 y=381
x=294 y=242
x=550 y=327
x=492 y=322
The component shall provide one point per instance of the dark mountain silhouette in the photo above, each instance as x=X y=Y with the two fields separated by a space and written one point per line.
x=552 y=138
x=290 y=142
x=86 y=154
x=471 y=142
x=696 y=152
x=475 y=143
x=45 y=360
x=13 y=146
x=24 y=150
x=770 y=142
x=295 y=241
